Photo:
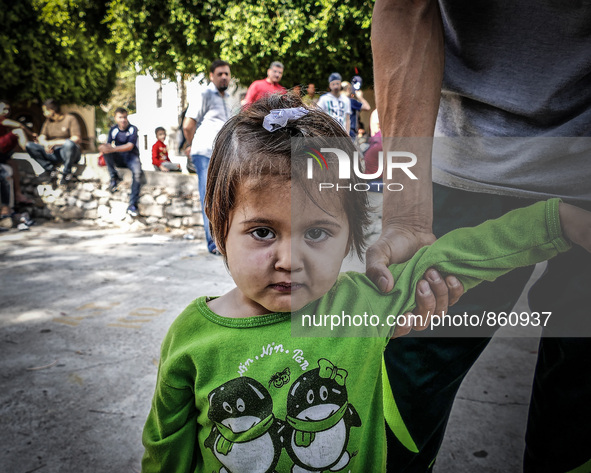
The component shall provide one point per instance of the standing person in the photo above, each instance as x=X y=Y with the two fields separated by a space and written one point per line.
x=546 y=94
x=160 y=159
x=204 y=118
x=335 y=104
x=310 y=98
x=270 y=85
x=358 y=103
x=58 y=142
x=122 y=151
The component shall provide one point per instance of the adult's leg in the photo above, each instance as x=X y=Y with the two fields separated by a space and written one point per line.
x=70 y=154
x=201 y=164
x=4 y=191
x=37 y=152
x=558 y=438
x=114 y=160
x=132 y=162
x=425 y=369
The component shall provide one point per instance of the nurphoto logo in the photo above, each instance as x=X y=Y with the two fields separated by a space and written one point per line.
x=394 y=160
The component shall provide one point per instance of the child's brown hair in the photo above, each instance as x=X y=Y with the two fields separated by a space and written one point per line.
x=244 y=150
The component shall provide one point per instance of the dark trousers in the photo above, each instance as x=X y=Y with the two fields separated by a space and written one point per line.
x=68 y=154
x=425 y=370
x=131 y=162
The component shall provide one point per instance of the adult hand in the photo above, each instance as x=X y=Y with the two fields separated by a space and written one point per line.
x=105 y=149
x=434 y=294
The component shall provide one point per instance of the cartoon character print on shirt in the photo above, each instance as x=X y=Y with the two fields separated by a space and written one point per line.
x=320 y=418
x=246 y=436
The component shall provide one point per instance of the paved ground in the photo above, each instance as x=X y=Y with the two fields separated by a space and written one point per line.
x=82 y=314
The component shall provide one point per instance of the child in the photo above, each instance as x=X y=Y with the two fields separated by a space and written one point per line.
x=236 y=392
x=160 y=158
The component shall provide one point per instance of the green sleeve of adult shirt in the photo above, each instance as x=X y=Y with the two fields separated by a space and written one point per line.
x=522 y=237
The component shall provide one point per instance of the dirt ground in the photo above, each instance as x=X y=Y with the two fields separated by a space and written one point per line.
x=82 y=315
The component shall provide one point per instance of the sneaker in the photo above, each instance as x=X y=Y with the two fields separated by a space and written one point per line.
x=66 y=179
x=113 y=185
x=45 y=176
x=133 y=211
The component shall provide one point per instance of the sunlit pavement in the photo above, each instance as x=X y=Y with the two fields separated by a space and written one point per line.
x=82 y=315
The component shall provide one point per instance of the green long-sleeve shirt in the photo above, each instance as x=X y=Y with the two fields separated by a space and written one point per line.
x=255 y=395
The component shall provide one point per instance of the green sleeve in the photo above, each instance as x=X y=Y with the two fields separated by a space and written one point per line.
x=170 y=433
x=522 y=237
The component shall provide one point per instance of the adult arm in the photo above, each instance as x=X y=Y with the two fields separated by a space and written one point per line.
x=364 y=103
x=251 y=94
x=407 y=43
x=108 y=149
x=193 y=118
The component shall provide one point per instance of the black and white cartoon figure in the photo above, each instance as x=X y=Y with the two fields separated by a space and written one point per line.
x=320 y=418
x=246 y=436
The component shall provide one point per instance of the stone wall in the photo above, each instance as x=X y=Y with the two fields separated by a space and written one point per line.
x=168 y=201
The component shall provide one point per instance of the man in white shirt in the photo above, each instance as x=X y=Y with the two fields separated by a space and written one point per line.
x=203 y=120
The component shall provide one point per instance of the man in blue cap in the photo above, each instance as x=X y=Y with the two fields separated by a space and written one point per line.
x=335 y=104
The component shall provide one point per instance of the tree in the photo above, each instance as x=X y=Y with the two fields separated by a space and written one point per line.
x=57 y=49
x=311 y=37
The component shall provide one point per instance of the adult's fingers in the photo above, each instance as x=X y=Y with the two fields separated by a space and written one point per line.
x=456 y=290
x=376 y=269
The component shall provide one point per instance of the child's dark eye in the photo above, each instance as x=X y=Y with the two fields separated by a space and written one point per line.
x=262 y=234
x=316 y=235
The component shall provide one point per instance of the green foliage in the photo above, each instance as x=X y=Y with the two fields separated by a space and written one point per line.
x=71 y=49
x=312 y=38
x=55 y=49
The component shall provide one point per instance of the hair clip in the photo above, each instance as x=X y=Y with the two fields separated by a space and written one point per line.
x=278 y=118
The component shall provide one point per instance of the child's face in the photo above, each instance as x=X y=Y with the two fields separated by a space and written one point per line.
x=161 y=135
x=281 y=260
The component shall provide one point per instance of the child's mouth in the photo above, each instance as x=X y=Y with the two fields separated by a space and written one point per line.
x=286 y=286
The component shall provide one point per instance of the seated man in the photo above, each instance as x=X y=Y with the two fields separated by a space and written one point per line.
x=58 y=142
x=122 y=151
x=12 y=136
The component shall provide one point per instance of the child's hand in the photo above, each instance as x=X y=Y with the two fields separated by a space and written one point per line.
x=576 y=225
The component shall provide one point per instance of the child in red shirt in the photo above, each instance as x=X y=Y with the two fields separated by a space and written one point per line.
x=160 y=158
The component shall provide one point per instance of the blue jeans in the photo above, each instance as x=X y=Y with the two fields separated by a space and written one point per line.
x=201 y=164
x=131 y=162
x=69 y=154
x=426 y=369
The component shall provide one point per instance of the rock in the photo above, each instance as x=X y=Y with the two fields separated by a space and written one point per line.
x=101 y=194
x=137 y=226
x=162 y=199
x=195 y=219
x=152 y=220
x=103 y=211
x=71 y=201
x=85 y=196
x=91 y=214
x=151 y=210
x=88 y=187
x=71 y=213
x=147 y=199
x=93 y=204
x=178 y=211
x=174 y=222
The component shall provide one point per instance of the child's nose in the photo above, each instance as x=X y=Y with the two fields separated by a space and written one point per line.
x=288 y=256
